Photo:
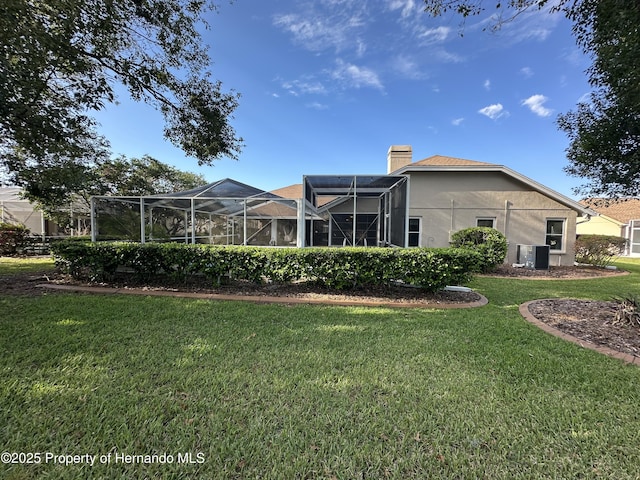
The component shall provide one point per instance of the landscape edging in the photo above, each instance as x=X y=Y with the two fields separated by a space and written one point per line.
x=262 y=299
x=528 y=316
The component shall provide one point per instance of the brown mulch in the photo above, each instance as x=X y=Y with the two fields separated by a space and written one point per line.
x=587 y=320
x=554 y=273
x=28 y=284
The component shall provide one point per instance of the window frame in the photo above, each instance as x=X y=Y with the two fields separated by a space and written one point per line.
x=418 y=232
x=562 y=235
x=492 y=219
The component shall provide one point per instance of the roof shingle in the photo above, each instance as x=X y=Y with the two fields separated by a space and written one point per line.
x=440 y=160
x=622 y=210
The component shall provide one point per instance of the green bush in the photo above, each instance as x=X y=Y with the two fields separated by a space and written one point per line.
x=488 y=242
x=337 y=268
x=599 y=250
x=13 y=238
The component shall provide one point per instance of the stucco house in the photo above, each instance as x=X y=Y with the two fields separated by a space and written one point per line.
x=448 y=194
x=620 y=218
x=413 y=204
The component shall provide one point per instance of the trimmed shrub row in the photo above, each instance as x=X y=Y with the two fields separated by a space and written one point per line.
x=338 y=268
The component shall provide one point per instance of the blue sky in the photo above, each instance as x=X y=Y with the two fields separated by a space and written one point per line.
x=328 y=85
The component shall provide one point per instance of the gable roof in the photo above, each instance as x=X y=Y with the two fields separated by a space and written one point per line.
x=290 y=191
x=295 y=191
x=622 y=210
x=439 y=163
x=442 y=160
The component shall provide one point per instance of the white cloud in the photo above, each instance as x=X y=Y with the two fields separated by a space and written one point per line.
x=317 y=106
x=526 y=72
x=328 y=25
x=531 y=24
x=487 y=84
x=584 y=98
x=356 y=77
x=408 y=68
x=457 y=121
x=406 y=7
x=536 y=105
x=494 y=111
x=304 y=87
x=446 y=56
x=434 y=35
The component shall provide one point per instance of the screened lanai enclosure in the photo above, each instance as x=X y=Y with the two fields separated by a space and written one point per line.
x=331 y=211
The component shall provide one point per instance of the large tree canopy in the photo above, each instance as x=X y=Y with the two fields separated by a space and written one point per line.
x=604 y=133
x=61 y=60
x=119 y=176
x=142 y=176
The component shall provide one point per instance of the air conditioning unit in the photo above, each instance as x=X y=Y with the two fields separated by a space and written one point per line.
x=533 y=256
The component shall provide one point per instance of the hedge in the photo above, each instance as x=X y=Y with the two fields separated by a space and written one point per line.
x=599 y=250
x=338 y=268
x=489 y=242
x=13 y=238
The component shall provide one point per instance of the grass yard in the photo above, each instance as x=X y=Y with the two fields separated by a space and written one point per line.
x=178 y=388
x=11 y=265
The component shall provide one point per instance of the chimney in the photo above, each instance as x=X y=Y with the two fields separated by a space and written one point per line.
x=398 y=156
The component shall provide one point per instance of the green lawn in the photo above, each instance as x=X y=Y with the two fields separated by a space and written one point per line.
x=312 y=391
x=11 y=265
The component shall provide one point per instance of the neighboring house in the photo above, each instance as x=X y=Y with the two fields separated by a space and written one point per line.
x=620 y=218
x=413 y=204
x=17 y=210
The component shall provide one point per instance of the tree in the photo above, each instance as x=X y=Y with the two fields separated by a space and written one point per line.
x=139 y=177
x=142 y=176
x=604 y=133
x=62 y=190
x=61 y=59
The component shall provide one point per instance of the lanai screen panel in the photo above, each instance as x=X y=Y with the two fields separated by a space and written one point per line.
x=201 y=215
x=391 y=191
x=397 y=218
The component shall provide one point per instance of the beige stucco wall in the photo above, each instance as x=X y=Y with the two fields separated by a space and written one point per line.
x=600 y=225
x=451 y=201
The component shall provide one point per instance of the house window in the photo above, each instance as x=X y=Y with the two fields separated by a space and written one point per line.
x=415 y=224
x=486 y=222
x=555 y=234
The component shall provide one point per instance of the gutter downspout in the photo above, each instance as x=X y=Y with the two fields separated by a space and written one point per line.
x=587 y=219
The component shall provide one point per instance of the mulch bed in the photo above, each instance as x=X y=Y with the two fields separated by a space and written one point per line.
x=297 y=291
x=588 y=320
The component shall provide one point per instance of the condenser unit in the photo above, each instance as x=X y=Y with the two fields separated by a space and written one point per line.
x=533 y=256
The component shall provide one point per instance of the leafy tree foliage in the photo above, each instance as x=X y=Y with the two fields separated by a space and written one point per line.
x=142 y=176
x=119 y=176
x=604 y=132
x=61 y=60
